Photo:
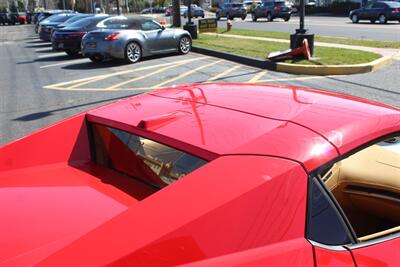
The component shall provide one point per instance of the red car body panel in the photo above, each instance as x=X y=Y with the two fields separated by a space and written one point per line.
x=331 y=258
x=387 y=254
x=246 y=207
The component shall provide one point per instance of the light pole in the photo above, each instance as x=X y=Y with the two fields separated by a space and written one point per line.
x=190 y=26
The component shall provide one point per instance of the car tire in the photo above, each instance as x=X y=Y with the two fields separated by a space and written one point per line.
x=253 y=17
x=269 y=17
x=184 y=45
x=133 y=52
x=96 y=59
x=354 y=18
x=243 y=17
x=218 y=16
x=71 y=53
x=286 y=18
x=382 y=19
x=372 y=21
x=202 y=16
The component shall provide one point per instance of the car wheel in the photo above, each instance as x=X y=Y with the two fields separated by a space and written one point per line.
x=71 y=53
x=287 y=18
x=269 y=17
x=253 y=17
x=133 y=52
x=354 y=18
x=382 y=19
x=244 y=17
x=185 y=44
x=202 y=16
x=372 y=21
x=96 y=59
x=218 y=16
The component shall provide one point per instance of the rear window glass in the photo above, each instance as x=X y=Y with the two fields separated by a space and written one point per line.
x=58 y=18
x=236 y=5
x=280 y=4
x=149 y=161
x=76 y=18
x=393 y=4
x=86 y=22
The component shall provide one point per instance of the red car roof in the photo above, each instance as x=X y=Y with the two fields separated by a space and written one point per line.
x=308 y=126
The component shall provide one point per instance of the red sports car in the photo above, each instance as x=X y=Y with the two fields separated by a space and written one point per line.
x=208 y=175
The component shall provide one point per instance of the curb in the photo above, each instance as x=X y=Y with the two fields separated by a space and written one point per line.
x=297 y=68
x=248 y=61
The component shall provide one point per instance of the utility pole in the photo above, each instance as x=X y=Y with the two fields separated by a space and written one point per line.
x=118 y=11
x=176 y=13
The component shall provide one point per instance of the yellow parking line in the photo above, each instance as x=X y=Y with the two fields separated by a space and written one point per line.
x=185 y=74
x=105 y=76
x=224 y=73
x=144 y=76
x=257 y=77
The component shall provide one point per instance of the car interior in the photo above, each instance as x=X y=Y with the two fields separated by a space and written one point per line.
x=367 y=187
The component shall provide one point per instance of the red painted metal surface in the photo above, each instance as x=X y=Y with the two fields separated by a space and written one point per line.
x=293 y=253
x=333 y=258
x=232 y=204
x=346 y=121
x=379 y=254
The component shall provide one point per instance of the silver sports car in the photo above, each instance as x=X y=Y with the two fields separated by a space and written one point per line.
x=133 y=38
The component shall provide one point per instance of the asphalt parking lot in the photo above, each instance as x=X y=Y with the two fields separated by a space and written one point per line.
x=40 y=87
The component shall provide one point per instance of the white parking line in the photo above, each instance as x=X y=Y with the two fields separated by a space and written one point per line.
x=49 y=49
x=64 y=63
x=52 y=55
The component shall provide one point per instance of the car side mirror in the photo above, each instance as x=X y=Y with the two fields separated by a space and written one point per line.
x=162 y=27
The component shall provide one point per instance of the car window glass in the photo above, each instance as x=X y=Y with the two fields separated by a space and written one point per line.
x=150 y=25
x=82 y=23
x=366 y=187
x=142 y=158
x=393 y=4
x=325 y=224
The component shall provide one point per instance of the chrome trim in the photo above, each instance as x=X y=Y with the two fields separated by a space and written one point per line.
x=374 y=241
x=329 y=247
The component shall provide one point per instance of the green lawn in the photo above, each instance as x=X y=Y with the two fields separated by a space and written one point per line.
x=346 y=41
x=260 y=49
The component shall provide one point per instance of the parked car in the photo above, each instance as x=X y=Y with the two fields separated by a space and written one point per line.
x=20 y=17
x=196 y=11
x=231 y=11
x=381 y=11
x=133 y=39
x=153 y=10
x=249 y=5
x=69 y=39
x=69 y=21
x=207 y=175
x=9 y=18
x=271 y=10
x=46 y=26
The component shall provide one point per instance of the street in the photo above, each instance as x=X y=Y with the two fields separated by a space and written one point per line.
x=40 y=87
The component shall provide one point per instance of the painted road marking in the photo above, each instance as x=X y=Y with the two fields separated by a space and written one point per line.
x=64 y=63
x=52 y=55
x=79 y=82
x=257 y=77
x=223 y=74
x=118 y=85
x=49 y=49
x=185 y=74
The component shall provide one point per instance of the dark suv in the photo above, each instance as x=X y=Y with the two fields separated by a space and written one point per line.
x=231 y=11
x=271 y=10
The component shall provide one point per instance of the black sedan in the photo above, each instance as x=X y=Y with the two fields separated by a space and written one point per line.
x=381 y=11
x=46 y=26
x=69 y=39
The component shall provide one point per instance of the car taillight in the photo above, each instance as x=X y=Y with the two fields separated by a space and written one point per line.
x=396 y=9
x=77 y=34
x=277 y=8
x=112 y=37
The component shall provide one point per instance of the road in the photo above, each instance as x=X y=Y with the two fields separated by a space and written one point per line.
x=40 y=87
x=324 y=26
